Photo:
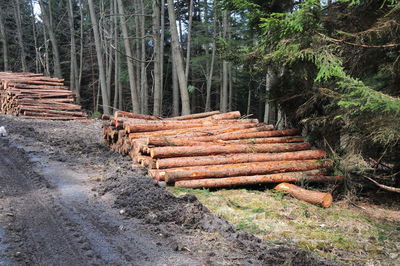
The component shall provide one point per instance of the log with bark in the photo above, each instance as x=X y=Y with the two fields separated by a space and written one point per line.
x=226 y=170
x=238 y=158
x=37 y=97
x=215 y=149
x=298 y=177
x=314 y=197
x=206 y=149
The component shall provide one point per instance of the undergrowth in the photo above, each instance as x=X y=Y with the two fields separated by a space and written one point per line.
x=342 y=233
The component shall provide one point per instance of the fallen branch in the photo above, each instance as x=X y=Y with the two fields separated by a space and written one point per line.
x=388 y=188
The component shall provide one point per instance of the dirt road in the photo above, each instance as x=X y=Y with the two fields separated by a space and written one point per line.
x=65 y=199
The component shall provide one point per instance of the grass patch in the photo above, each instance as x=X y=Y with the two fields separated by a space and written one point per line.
x=341 y=233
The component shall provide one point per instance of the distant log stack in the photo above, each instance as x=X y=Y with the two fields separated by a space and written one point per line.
x=215 y=150
x=35 y=96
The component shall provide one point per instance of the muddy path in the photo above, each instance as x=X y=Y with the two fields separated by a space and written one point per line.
x=65 y=199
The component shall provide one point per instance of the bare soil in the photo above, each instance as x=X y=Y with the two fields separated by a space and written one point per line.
x=65 y=199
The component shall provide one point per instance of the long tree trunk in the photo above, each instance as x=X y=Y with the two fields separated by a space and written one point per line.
x=137 y=53
x=116 y=57
x=48 y=21
x=35 y=41
x=175 y=90
x=177 y=57
x=189 y=39
x=4 y=41
x=225 y=65
x=17 y=13
x=162 y=19
x=74 y=77
x=103 y=85
x=157 y=59
x=46 y=63
x=270 y=79
x=143 y=67
x=80 y=71
x=210 y=74
x=129 y=56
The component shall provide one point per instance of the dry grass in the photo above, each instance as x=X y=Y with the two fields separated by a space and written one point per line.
x=343 y=233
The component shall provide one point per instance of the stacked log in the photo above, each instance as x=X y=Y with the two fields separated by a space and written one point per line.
x=35 y=96
x=215 y=150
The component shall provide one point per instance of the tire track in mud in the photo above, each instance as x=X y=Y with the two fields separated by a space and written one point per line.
x=33 y=207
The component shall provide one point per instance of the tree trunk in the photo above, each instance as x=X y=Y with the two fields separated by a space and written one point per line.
x=116 y=57
x=238 y=158
x=210 y=74
x=35 y=41
x=80 y=71
x=177 y=57
x=313 y=197
x=308 y=176
x=103 y=84
x=17 y=13
x=129 y=56
x=143 y=66
x=189 y=39
x=225 y=83
x=46 y=53
x=74 y=77
x=157 y=58
x=48 y=21
x=4 y=41
x=162 y=54
x=175 y=90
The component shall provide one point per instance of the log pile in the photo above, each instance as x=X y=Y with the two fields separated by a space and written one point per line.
x=215 y=150
x=35 y=96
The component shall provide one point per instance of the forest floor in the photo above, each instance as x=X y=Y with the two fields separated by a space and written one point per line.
x=66 y=199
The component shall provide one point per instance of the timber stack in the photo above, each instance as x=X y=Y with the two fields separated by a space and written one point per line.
x=35 y=96
x=215 y=150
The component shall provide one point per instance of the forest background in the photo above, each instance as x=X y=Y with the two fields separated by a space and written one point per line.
x=329 y=67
